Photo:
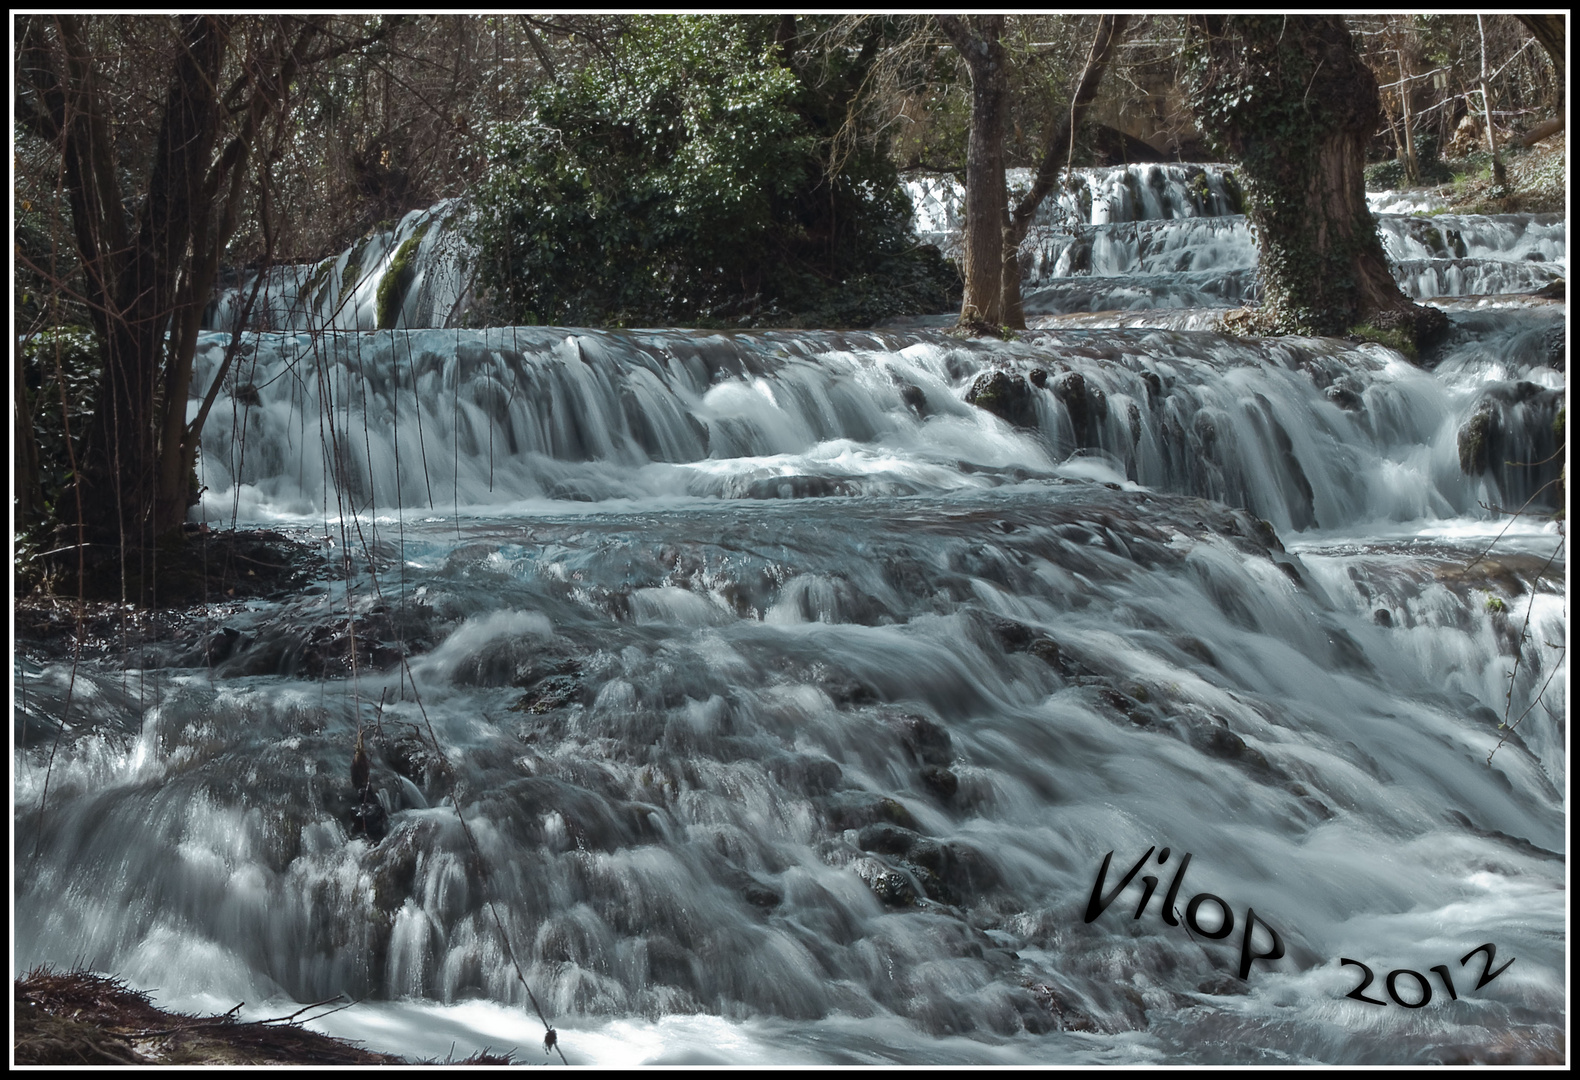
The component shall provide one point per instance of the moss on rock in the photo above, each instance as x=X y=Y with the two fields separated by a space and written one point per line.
x=397 y=280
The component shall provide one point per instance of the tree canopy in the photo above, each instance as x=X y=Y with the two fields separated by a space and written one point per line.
x=688 y=179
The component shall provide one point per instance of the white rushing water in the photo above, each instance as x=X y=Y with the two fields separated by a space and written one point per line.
x=796 y=705
x=1136 y=237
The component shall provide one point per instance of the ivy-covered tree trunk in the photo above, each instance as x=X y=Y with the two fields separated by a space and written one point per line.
x=987 y=203
x=1290 y=100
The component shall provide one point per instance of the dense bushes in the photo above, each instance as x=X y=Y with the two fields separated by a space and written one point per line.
x=687 y=181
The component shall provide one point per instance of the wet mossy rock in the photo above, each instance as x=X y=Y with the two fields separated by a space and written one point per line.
x=1071 y=389
x=928 y=741
x=1399 y=338
x=397 y=280
x=1476 y=439
x=1008 y=397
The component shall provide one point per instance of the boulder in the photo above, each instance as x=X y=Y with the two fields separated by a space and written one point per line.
x=1008 y=397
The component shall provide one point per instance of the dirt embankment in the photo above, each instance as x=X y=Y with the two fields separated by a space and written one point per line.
x=78 y=1018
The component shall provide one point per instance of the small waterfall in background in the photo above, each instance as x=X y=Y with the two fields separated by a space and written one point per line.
x=1136 y=237
x=1123 y=694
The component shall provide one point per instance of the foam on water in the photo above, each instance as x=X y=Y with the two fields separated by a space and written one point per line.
x=794 y=703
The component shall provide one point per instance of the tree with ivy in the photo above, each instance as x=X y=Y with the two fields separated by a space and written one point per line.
x=688 y=178
x=1288 y=98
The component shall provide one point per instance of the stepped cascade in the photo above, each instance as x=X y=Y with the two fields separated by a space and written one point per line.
x=1120 y=238
x=809 y=696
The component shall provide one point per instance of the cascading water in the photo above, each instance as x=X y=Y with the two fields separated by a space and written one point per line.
x=417 y=274
x=804 y=713
x=1171 y=236
x=1135 y=237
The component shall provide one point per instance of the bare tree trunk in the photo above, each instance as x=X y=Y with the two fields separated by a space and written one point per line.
x=1412 y=171
x=1500 y=179
x=986 y=201
x=1057 y=152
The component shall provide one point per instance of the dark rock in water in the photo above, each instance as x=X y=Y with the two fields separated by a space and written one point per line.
x=220 y=645
x=1476 y=438
x=541 y=663
x=757 y=893
x=1047 y=650
x=924 y=738
x=805 y=774
x=969 y=871
x=369 y=819
x=1197 y=649
x=1318 y=809
x=378 y=639
x=1382 y=617
x=948 y=873
x=1154 y=384
x=1009 y=397
x=1345 y=398
x=1557 y=344
x=888 y=839
x=914 y=397
x=892 y=888
x=1038 y=378
x=800 y=487
x=1012 y=636
x=554 y=692
x=1222 y=985
x=1062 y=1013
x=1518 y=843
x=1553 y=290
x=409 y=755
x=1132 y=709
x=1071 y=389
x=940 y=781
x=1222 y=743
x=1098 y=398
x=945 y=872
x=858 y=809
x=846 y=692
x=394 y=869
x=1265 y=533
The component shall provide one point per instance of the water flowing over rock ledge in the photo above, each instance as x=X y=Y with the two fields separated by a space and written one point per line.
x=793 y=692
x=1128 y=237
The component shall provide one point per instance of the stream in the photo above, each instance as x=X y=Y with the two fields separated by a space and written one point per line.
x=762 y=701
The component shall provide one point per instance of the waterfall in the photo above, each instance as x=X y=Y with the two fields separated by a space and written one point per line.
x=1121 y=238
x=1125 y=693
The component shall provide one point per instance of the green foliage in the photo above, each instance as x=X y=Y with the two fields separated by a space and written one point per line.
x=1385 y=176
x=689 y=182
